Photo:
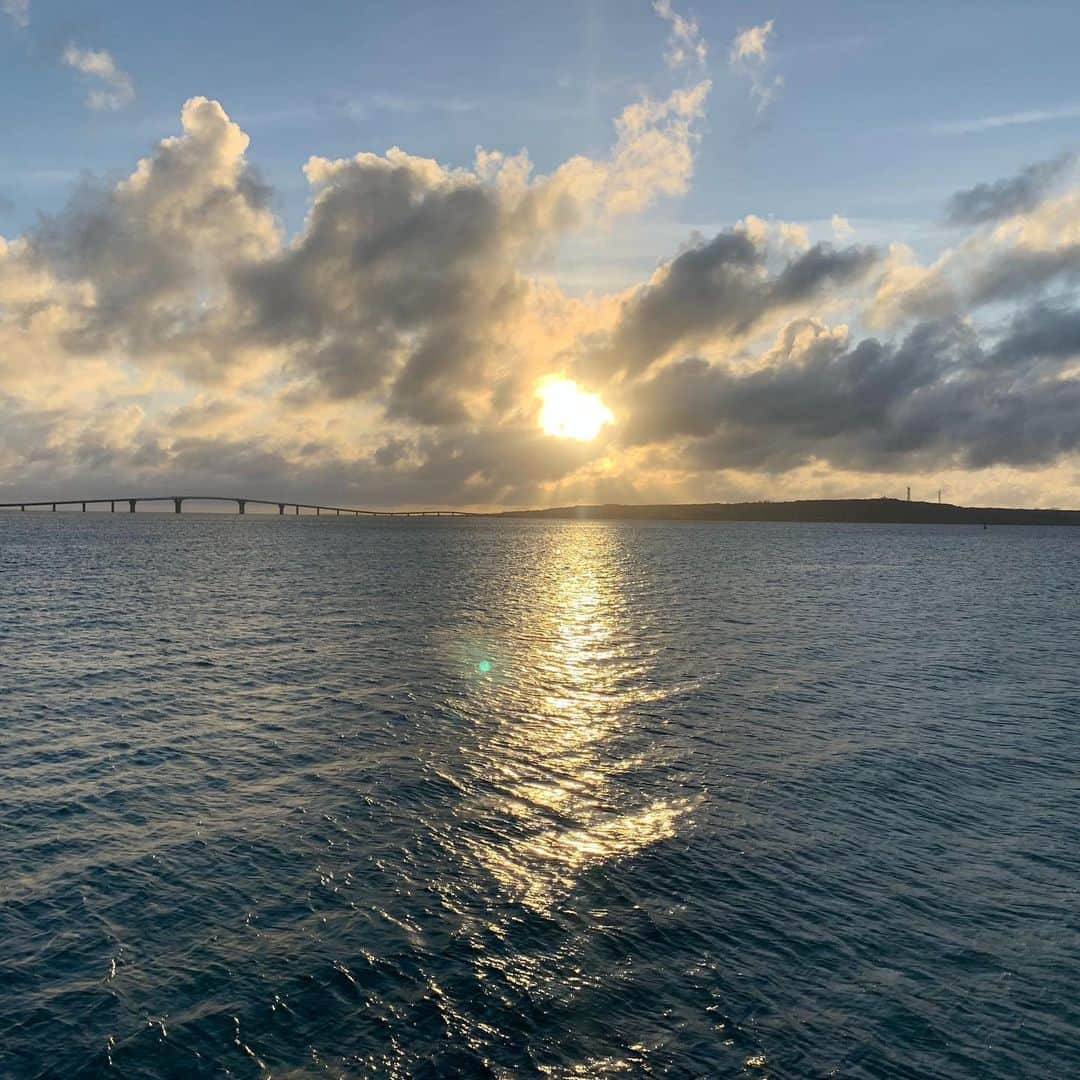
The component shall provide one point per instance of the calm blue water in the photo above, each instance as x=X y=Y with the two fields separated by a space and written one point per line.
x=312 y=798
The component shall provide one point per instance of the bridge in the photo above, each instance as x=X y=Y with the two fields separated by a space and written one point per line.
x=241 y=506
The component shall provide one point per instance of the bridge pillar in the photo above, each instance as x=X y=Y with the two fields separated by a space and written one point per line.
x=131 y=506
x=54 y=508
x=281 y=508
x=318 y=511
x=112 y=507
x=296 y=509
x=242 y=503
x=177 y=504
x=84 y=508
x=23 y=509
x=339 y=513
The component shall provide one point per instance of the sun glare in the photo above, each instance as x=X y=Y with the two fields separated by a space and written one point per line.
x=569 y=412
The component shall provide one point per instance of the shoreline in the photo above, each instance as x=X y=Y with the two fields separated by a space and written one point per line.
x=823 y=511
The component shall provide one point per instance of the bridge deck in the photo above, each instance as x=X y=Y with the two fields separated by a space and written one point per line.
x=241 y=503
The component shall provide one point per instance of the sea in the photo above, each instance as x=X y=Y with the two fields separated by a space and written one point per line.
x=319 y=797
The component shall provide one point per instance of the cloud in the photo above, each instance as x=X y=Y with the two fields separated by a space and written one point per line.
x=17 y=10
x=785 y=235
x=151 y=255
x=1026 y=255
x=749 y=54
x=653 y=154
x=751 y=44
x=992 y=123
x=719 y=288
x=1018 y=274
x=1039 y=334
x=933 y=400
x=1010 y=196
x=841 y=227
x=401 y=103
x=685 y=44
x=165 y=326
x=407 y=274
x=117 y=89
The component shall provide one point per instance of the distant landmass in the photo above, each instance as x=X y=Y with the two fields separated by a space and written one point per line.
x=860 y=511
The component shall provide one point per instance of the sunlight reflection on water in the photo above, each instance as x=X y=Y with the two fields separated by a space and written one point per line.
x=556 y=757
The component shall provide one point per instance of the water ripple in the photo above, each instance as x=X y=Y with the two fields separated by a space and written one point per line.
x=306 y=798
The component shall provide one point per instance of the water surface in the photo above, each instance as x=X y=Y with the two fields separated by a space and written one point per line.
x=321 y=797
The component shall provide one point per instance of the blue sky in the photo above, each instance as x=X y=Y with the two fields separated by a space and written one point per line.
x=750 y=250
x=858 y=130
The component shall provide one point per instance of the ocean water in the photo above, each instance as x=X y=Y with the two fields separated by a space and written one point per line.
x=306 y=798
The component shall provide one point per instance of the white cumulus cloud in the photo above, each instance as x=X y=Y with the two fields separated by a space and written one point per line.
x=750 y=55
x=116 y=89
x=685 y=44
x=841 y=227
x=17 y=10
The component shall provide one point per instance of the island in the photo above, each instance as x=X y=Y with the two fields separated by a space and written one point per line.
x=883 y=511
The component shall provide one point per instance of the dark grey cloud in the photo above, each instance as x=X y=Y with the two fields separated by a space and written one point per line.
x=933 y=398
x=348 y=366
x=94 y=239
x=254 y=188
x=718 y=287
x=157 y=247
x=1009 y=196
x=141 y=264
x=1041 y=333
x=391 y=452
x=805 y=277
x=395 y=280
x=1019 y=273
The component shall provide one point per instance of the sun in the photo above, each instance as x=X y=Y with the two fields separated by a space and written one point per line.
x=570 y=413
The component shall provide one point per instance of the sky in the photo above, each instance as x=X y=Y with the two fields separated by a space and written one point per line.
x=482 y=255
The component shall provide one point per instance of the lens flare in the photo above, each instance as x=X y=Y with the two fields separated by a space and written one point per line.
x=571 y=413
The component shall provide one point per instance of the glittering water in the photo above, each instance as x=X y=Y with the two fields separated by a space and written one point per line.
x=329 y=798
